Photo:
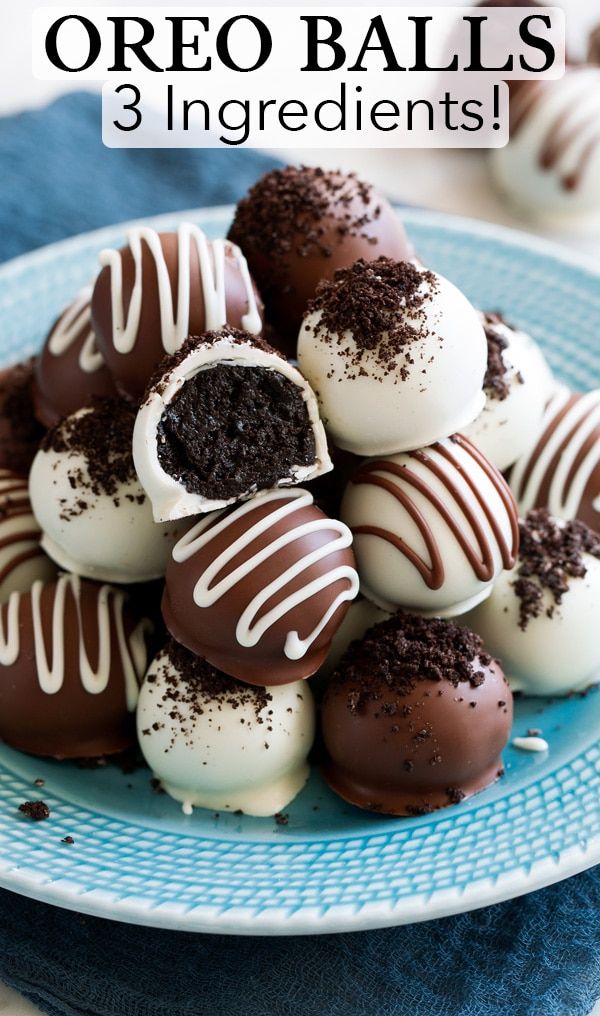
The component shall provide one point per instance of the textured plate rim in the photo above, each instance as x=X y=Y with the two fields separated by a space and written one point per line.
x=337 y=918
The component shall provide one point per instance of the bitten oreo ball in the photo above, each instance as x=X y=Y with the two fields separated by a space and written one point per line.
x=94 y=514
x=259 y=590
x=542 y=617
x=159 y=289
x=298 y=225
x=396 y=355
x=217 y=743
x=415 y=717
x=225 y=418
x=72 y=655
x=70 y=371
x=432 y=528
x=561 y=469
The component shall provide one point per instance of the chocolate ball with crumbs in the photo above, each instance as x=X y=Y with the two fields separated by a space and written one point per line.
x=260 y=590
x=298 y=225
x=20 y=432
x=159 y=289
x=415 y=717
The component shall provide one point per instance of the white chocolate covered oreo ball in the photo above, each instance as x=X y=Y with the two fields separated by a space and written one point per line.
x=95 y=517
x=396 y=355
x=516 y=387
x=216 y=743
x=541 y=619
x=551 y=165
x=227 y=417
x=22 y=560
x=432 y=528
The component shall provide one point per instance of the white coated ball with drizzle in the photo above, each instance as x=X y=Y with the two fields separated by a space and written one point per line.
x=541 y=619
x=22 y=560
x=551 y=165
x=396 y=355
x=517 y=385
x=432 y=528
x=216 y=743
x=94 y=514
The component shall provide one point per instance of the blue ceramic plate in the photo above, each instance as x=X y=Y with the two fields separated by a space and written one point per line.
x=332 y=868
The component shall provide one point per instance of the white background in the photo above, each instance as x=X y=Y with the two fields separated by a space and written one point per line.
x=452 y=181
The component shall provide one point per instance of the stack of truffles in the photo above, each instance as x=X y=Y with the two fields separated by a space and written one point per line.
x=277 y=455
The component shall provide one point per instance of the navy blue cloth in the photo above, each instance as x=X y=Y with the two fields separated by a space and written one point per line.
x=535 y=956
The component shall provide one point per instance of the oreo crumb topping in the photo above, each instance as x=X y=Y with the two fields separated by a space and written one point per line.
x=496 y=383
x=197 y=688
x=289 y=211
x=36 y=810
x=102 y=436
x=551 y=554
x=382 y=303
x=403 y=650
x=232 y=429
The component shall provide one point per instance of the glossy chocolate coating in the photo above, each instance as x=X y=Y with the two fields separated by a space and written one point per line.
x=133 y=370
x=319 y=222
x=213 y=631
x=20 y=432
x=414 y=753
x=71 y=722
x=61 y=385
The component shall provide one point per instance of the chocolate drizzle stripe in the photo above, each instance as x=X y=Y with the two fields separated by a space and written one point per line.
x=480 y=559
x=26 y=555
x=174 y=321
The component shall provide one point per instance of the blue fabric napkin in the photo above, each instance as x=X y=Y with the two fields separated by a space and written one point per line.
x=535 y=956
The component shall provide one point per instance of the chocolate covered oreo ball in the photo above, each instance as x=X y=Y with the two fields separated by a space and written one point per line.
x=72 y=655
x=225 y=418
x=259 y=590
x=94 y=514
x=20 y=432
x=216 y=743
x=542 y=618
x=415 y=717
x=517 y=386
x=561 y=469
x=159 y=289
x=22 y=560
x=551 y=165
x=396 y=355
x=298 y=225
x=70 y=371
x=432 y=528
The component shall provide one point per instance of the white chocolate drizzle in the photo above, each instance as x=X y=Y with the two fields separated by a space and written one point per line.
x=564 y=459
x=19 y=531
x=207 y=591
x=51 y=667
x=75 y=322
x=175 y=323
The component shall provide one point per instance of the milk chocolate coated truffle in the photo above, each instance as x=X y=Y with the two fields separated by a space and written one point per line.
x=561 y=469
x=542 y=618
x=415 y=717
x=432 y=528
x=226 y=417
x=87 y=499
x=396 y=354
x=20 y=432
x=298 y=225
x=72 y=655
x=22 y=559
x=70 y=371
x=259 y=590
x=161 y=288
x=217 y=743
